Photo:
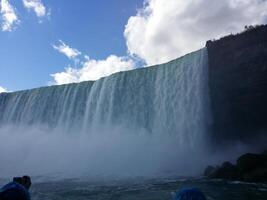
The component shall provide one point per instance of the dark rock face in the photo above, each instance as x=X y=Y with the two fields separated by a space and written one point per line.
x=253 y=167
x=249 y=167
x=210 y=170
x=238 y=84
x=249 y=161
x=226 y=171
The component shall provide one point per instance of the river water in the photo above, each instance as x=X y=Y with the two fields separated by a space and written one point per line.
x=139 y=188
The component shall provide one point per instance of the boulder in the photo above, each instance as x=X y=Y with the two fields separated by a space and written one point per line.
x=256 y=175
x=226 y=171
x=210 y=170
x=250 y=168
x=249 y=162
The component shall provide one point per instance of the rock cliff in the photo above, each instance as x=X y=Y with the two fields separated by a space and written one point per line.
x=238 y=84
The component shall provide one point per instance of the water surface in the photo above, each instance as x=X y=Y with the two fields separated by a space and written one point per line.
x=138 y=188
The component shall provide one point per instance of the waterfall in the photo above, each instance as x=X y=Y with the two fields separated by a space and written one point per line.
x=159 y=108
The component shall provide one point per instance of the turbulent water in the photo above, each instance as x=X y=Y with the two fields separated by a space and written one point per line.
x=143 y=122
x=137 y=188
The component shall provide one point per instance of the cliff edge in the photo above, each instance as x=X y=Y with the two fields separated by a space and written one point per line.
x=238 y=84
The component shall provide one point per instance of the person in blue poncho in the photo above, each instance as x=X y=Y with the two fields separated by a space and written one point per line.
x=189 y=194
x=18 y=189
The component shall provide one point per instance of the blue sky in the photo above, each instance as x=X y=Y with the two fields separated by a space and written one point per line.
x=44 y=42
x=94 y=27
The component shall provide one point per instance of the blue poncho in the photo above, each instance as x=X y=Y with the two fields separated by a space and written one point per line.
x=189 y=194
x=14 y=191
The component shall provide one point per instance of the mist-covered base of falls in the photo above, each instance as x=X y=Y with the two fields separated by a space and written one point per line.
x=114 y=152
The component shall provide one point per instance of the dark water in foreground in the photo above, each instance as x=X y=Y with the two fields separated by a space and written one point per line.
x=132 y=189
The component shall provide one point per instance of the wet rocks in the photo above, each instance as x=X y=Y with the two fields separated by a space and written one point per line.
x=210 y=170
x=249 y=167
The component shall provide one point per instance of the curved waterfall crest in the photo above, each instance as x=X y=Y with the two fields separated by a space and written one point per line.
x=167 y=98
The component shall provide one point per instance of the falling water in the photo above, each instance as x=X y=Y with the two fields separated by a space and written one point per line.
x=138 y=122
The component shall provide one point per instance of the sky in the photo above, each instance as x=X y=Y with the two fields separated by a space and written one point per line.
x=47 y=42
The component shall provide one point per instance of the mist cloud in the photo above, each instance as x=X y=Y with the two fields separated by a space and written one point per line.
x=112 y=151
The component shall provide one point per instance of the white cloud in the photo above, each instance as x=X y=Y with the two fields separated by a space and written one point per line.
x=163 y=30
x=37 y=6
x=9 y=16
x=93 y=70
x=90 y=69
x=71 y=53
x=3 y=89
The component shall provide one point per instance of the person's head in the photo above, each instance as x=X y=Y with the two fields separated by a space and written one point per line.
x=189 y=194
x=24 y=180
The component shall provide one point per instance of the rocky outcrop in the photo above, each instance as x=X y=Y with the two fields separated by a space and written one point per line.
x=238 y=84
x=249 y=167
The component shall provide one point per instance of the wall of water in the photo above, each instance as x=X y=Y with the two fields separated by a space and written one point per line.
x=139 y=122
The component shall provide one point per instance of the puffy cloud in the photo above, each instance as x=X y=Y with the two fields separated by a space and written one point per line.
x=36 y=5
x=3 y=89
x=163 y=30
x=94 y=69
x=9 y=16
x=71 y=53
x=90 y=69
